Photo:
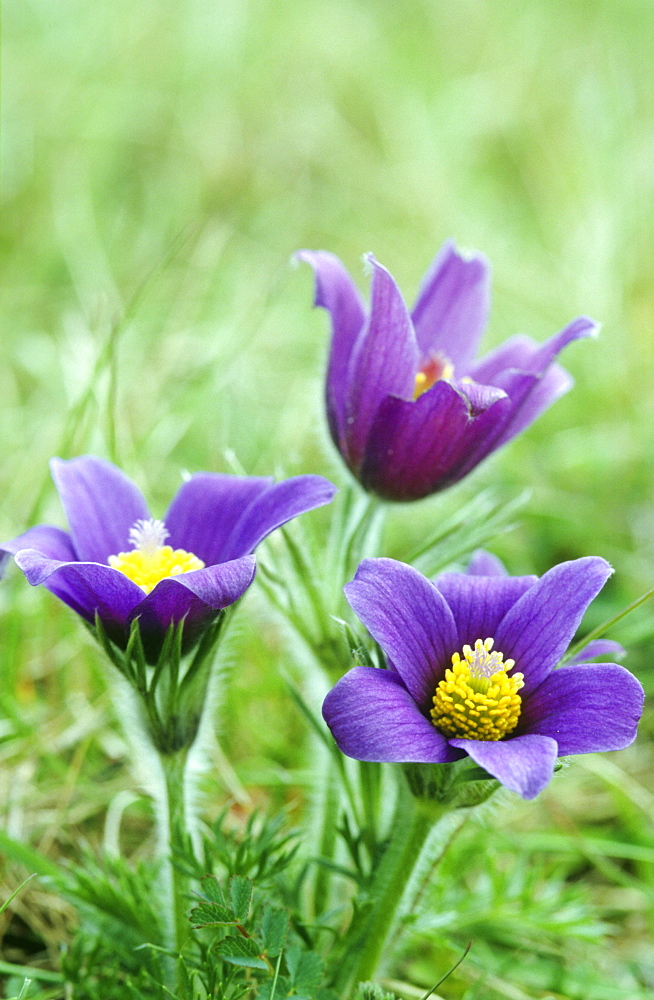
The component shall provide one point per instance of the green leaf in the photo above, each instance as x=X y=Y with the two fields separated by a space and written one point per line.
x=207 y=914
x=6 y=903
x=184 y=981
x=24 y=989
x=27 y=856
x=306 y=969
x=371 y=991
x=28 y=971
x=240 y=891
x=210 y=890
x=274 y=928
x=241 y=951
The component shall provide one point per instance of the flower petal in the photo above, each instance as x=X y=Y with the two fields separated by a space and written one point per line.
x=416 y=447
x=545 y=354
x=586 y=708
x=521 y=354
x=530 y=396
x=278 y=504
x=87 y=588
x=206 y=509
x=484 y=563
x=410 y=620
x=599 y=647
x=384 y=361
x=478 y=397
x=524 y=764
x=452 y=306
x=526 y=372
x=514 y=353
x=220 y=517
x=46 y=539
x=373 y=717
x=195 y=598
x=336 y=292
x=101 y=505
x=479 y=603
x=538 y=382
x=537 y=630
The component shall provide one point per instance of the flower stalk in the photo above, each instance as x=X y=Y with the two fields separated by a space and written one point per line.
x=173 y=821
x=162 y=707
x=367 y=938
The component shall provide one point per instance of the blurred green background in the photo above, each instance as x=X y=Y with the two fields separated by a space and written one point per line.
x=159 y=164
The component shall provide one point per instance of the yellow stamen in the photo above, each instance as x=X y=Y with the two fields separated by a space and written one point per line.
x=477 y=699
x=432 y=371
x=151 y=561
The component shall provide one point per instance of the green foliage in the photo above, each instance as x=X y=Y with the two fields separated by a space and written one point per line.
x=274 y=929
x=211 y=914
x=240 y=893
x=171 y=692
x=241 y=951
x=371 y=991
x=305 y=969
x=253 y=937
x=118 y=897
x=261 y=850
x=457 y=785
x=118 y=912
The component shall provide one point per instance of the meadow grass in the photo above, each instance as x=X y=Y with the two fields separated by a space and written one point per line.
x=159 y=164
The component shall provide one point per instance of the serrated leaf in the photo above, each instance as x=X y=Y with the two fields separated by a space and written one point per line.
x=211 y=913
x=274 y=928
x=306 y=969
x=241 y=951
x=240 y=892
x=210 y=890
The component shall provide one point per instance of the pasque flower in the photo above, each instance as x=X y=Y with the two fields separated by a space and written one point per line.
x=120 y=564
x=471 y=670
x=409 y=408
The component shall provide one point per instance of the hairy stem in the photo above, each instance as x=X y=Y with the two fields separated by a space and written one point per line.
x=172 y=828
x=367 y=938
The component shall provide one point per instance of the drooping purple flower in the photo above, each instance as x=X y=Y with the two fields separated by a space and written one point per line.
x=188 y=567
x=472 y=660
x=408 y=407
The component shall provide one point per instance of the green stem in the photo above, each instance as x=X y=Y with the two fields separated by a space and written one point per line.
x=366 y=939
x=438 y=843
x=172 y=827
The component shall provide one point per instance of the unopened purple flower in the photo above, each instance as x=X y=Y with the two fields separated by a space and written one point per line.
x=409 y=408
x=121 y=564
x=471 y=661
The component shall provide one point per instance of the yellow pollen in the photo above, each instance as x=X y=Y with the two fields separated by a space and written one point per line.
x=151 y=561
x=476 y=699
x=435 y=368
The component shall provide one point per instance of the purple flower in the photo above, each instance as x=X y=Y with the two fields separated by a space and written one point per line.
x=471 y=671
x=409 y=408
x=119 y=563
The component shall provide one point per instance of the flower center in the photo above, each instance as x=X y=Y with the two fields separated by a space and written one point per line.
x=477 y=699
x=151 y=561
x=436 y=367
